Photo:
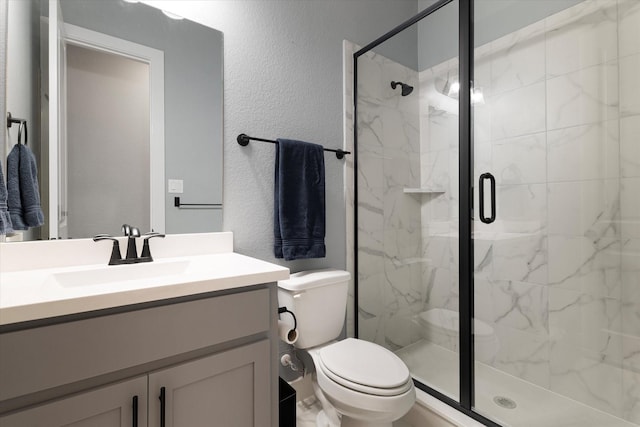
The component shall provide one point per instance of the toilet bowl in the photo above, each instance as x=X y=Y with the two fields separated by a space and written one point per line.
x=441 y=326
x=364 y=382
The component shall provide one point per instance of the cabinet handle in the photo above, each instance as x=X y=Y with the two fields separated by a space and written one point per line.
x=492 y=181
x=135 y=411
x=162 y=405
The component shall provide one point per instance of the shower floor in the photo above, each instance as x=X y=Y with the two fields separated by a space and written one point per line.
x=438 y=367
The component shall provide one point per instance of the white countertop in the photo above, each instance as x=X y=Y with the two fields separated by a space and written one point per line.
x=40 y=293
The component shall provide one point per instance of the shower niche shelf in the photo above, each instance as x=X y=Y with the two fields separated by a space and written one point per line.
x=423 y=190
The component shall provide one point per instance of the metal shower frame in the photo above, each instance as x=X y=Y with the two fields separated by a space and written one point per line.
x=465 y=135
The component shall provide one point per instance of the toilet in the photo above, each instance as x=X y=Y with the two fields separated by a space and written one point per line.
x=367 y=384
x=440 y=326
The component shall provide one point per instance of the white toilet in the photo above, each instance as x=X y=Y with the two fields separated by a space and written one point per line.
x=441 y=326
x=366 y=383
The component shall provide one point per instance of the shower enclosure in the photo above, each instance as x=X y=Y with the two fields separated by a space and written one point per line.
x=497 y=207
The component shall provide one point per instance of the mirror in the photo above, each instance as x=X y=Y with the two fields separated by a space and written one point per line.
x=180 y=138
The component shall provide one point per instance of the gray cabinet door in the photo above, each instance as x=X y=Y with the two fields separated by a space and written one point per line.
x=231 y=389
x=110 y=406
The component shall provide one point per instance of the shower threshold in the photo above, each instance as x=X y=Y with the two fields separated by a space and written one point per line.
x=504 y=398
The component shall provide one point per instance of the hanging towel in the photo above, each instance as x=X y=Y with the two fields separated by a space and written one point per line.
x=5 y=218
x=22 y=188
x=299 y=200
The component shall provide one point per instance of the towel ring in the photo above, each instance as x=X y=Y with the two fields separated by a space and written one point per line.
x=23 y=124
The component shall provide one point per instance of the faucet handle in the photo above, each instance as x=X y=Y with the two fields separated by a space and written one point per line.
x=116 y=256
x=151 y=234
x=99 y=237
x=146 y=251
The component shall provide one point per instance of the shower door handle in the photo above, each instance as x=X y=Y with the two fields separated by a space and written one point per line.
x=492 y=181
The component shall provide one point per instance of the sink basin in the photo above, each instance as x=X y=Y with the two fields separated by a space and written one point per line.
x=118 y=273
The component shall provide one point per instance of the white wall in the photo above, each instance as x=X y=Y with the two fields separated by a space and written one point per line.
x=283 y=78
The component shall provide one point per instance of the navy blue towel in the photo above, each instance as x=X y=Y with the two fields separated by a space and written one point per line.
x=22 y=188
x=299 y=201
x=5 y=218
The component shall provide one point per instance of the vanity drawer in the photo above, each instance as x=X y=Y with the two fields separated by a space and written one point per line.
x=45 y=357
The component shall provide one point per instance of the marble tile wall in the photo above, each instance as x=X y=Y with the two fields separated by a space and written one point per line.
x=629 y=63
x=389 y=223
x=558 y=275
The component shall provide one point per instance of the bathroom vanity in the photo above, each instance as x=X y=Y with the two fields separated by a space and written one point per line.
x=192 y=345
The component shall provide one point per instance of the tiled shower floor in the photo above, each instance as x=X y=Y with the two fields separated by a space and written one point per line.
x=536 y=406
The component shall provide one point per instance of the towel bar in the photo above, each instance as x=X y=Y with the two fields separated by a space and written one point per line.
x=178 y=204
x=244 y=139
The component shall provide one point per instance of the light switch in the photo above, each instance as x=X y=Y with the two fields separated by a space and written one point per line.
x=176 y=186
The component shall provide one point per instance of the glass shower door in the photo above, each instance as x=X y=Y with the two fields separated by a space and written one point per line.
x=407 y=184
x=541 y=328
x=556 y=120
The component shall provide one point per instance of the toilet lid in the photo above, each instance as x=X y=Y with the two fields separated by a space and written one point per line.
x=364 y=363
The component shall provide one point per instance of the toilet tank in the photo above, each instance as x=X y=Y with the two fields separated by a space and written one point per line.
x=318 y=298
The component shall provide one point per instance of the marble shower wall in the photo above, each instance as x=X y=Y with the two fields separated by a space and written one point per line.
x=389 y=227
x=558 y=275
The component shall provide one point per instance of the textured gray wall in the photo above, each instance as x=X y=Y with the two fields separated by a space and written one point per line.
x=283 y=78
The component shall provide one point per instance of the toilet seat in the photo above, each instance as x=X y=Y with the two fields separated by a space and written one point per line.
x=364 y=367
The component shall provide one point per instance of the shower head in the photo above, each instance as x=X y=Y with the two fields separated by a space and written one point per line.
x=406 y=89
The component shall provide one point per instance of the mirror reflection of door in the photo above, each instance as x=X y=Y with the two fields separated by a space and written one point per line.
x=108 y=138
